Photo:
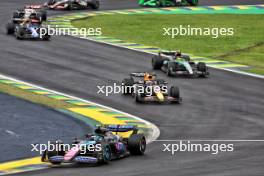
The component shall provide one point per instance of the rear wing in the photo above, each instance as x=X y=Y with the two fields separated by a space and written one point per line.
x=171 y=54
x=168 y=53
x=125 y=131
x=121 y=128
x=140 y=74
x=33 y=7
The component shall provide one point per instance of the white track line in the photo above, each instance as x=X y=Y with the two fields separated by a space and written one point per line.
x=156 y=131
x=209 y=140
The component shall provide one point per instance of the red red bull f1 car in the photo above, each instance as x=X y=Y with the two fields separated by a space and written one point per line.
x=144 y=87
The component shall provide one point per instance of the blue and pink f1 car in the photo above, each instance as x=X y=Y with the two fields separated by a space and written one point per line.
x=102 y=146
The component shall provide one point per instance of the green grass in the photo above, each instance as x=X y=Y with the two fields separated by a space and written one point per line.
x=148 y=30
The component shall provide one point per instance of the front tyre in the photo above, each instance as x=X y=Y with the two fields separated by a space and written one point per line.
x=20 y=33
x=127 y=85
x=157 y=62
x=10 y=28
x=105 y=155
x=55 y=152
x=138 y=97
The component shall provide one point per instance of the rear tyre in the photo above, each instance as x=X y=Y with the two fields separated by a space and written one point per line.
x=193 y=2
x=127 y=84
x=175 y=92
x=43 y=15
x=70 y=6
x=95 y=4
x=159 y=3
x=137 y=144
x=168 y=72
x=51 y=2
x=157 y=62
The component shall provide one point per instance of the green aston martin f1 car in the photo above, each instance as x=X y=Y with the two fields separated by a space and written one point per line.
x=167 y=3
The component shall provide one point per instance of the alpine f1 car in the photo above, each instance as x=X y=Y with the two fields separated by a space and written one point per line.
x=144 y=87
x=35 y=13
x=102 y=146
x=30 y=30
x=72 y=4
x=167 y=3
x=174 y=63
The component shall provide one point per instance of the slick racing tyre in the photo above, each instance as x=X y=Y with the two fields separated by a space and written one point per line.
x=95 y=4
x=171 y=66
x=46 y=37
x=51 y=2
x=16 y=15
x=70 y=6
x=137 y=144
x=54 y=152
x=105 y=155
x=127 y=85
x=10 y=28
x=138 y=97
x=201 y=67
x=157 y=62
x=20 y=32
x=168 y=72
x=43 y=15
x=175 y=92
x=193 y=2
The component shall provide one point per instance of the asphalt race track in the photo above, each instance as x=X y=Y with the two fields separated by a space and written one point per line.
x=224 y=106
x=23 y=123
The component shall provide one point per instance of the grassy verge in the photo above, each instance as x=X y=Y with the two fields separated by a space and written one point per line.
x=244 y=47
x=35 y=98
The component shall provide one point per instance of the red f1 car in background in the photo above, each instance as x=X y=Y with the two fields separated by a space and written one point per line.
x=33 y=13
x=72 y=4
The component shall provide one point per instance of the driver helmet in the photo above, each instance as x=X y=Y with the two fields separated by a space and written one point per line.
x=148 y=77
x=178 y=53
